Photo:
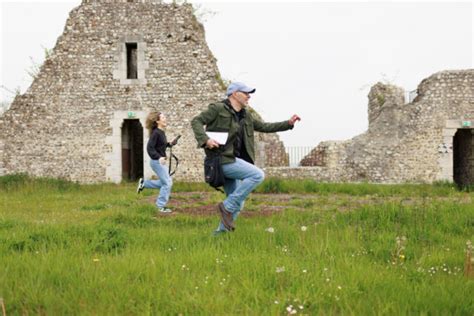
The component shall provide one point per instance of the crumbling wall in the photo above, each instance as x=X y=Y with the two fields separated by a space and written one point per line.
x=405 y=142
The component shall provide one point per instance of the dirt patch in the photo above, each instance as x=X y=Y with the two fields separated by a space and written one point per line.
x=258 y=204
x=199 y=204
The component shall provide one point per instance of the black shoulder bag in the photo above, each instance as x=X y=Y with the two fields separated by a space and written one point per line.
x=213 y=173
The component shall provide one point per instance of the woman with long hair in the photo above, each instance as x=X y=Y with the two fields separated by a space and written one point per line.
x=156 y=148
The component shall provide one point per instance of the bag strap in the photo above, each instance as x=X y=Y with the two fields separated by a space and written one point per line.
x=176 y=166
x=177 y=162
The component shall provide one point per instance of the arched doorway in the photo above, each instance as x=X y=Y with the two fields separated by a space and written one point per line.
x=463 y=157
x=132 y=150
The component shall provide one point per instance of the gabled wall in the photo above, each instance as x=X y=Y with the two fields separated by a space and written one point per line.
x=67 y=124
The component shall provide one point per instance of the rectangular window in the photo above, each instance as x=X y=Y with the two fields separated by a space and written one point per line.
x=131 y=60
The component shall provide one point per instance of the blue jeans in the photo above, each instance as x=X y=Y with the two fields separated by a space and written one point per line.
x=164 y=183
x=241 y=178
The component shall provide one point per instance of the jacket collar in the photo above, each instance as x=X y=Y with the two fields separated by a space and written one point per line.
x=231 y=109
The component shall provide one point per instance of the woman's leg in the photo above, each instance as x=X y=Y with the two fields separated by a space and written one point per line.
x=164 y=183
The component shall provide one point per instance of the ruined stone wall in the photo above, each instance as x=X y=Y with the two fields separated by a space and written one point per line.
x=275 y=154
x=444 y=100
x=405 y=142
x=68 y=122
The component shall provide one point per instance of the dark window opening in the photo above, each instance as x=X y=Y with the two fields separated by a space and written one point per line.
x=132 y=150
x=463 y=157
x=131 y=60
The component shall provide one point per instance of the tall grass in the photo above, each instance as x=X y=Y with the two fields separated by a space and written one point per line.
x=276 y=185
x=98 y=249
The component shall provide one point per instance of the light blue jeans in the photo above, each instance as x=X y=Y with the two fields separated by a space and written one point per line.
x=241 y=178
x=164 y=183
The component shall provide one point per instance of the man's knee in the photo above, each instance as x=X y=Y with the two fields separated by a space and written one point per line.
x=259 y=176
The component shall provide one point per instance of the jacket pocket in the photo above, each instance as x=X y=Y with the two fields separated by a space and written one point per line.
x=249 y=129
x=223 y=121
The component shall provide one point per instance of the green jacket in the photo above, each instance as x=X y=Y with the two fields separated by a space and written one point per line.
x=219 y=117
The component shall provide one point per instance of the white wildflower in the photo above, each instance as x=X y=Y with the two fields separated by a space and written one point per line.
x=280 y=269
x=291 y=310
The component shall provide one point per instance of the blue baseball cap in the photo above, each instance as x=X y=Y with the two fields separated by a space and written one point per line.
x=238 y=86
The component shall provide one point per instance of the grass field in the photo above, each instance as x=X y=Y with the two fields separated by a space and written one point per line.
x=300 y=247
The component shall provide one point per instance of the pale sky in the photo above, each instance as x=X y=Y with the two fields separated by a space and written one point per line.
x=316 y=59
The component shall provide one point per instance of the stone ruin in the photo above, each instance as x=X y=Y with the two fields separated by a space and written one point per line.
x=427 y=140
x=83 y=117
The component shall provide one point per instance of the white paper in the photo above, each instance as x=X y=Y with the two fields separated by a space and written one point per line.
x=220 y=137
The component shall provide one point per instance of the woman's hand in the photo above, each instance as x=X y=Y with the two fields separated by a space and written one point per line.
x=162 y=160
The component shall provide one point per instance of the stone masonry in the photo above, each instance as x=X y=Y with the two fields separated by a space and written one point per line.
x=430 y=139
x=115 y=62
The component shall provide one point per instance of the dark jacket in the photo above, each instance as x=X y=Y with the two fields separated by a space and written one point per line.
x=156 y=146
x=219 y=117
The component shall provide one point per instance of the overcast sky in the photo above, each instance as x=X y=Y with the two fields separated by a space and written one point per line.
x=316 y=59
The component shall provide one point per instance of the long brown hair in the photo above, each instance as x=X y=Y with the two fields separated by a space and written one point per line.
x=151 y=119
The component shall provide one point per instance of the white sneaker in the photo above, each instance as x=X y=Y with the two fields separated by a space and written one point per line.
x=141 y=185
x=164 y=210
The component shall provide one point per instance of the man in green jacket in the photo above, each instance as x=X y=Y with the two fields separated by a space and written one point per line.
x=241 y=175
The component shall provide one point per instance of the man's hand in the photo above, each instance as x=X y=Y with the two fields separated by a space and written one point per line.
x=211 y=143
x=293 y=119
x=162 y=160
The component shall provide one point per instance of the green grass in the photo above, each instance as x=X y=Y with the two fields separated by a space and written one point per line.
x=68 y=249
x=276 y=185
